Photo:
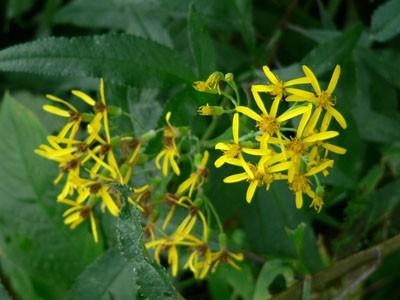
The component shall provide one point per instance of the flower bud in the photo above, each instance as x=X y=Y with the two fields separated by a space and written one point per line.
x=207 y=110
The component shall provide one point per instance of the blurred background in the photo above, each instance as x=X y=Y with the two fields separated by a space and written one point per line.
x=239 y=36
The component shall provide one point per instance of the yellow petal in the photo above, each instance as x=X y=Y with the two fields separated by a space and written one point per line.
x=271 y=76
x=248 y=112
x=262 y=88
x=299 y=200
x=221 y=146
x=292 y=113
x=59 y=100
x=236 y=178
x=102 y=91
x=301 y=94
x=334 y=80
x=56 y=111
x=338 y=117
x=334 y=148
x=94 y=227
x=320 y=136
x=313 y=121
x=280 y=167
x=313 y=80
x=109 y=202
x=319 y=168
x=303 y=121
x=301 y=80
x=83 y=96
x=251 y=190
x=259 y=101
x=235 y=128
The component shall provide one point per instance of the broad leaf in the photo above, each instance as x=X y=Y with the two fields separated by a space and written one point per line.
x=40 y=254
x=385 y=21
x=120 y=58
x=201 y=44
x=111 y=276
x=326 y=55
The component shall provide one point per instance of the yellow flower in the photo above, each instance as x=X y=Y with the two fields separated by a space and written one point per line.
x=322 y=99
x=77 y=214
x=300 y=184
x=195 y=179
x=268 y=122
x=211 y=85
x=234 y=151
x=170 y=151
x=225 y=256
x=170 y=243
x=267 y=170
x=276 y=88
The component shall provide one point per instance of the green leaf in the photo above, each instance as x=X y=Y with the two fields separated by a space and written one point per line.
x=270 y=270
x=386 y=63
x=136 y=18
x=40 y=255
x=3 y=293
x=326 y=55
x=16 y=8
x=152 y=280
x=241 y=281
x=111 y=276
x=265 y=221
x=201 y=44
x=385 y=21
x=120 y=58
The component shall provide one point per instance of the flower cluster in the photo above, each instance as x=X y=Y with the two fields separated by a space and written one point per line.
x=175 y=222
x=85 y=153
x=94 y=165
x=275 y=150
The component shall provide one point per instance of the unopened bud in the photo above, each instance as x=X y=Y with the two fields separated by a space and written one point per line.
x=207 y=110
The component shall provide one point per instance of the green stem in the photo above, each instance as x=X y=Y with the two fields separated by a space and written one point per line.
x=216 y=216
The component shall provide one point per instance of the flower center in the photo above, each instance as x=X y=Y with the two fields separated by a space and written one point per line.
x=299 y=184
x=297 y=146
x=233 y=150
x=277 y=89
x=268 y=124
x=326 y=100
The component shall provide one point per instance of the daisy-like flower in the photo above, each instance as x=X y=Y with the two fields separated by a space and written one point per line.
x=300 y=184
x=78 y=213
x=267 y=170
x=170 y=152
x=195 y=179
x=233 y=151
x=276 y=88
x=300 y=144
x=170 y=243
x=268 y=122
x=322 y=99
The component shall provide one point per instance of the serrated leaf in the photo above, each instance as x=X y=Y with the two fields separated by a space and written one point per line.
x=120 y=58
x=40 y=254
x=201 y=44
x=385 y=21
x=326 y=55
x=152 y=280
